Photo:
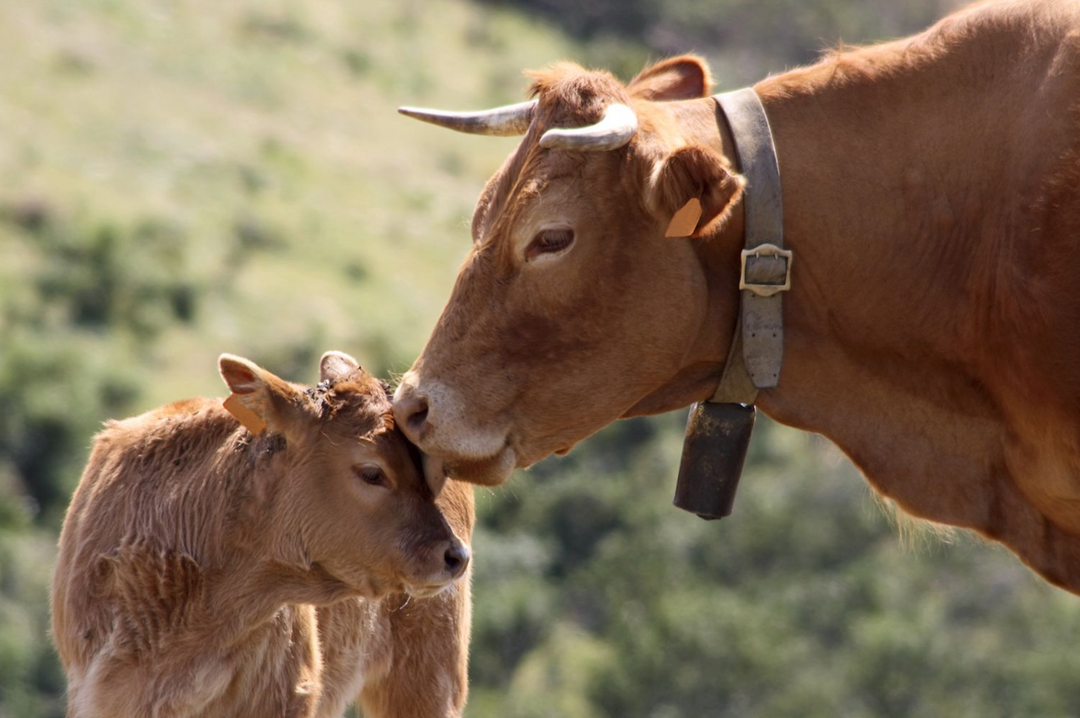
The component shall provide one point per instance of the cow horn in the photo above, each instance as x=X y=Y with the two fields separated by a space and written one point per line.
x=502 y=121
x=614 y=130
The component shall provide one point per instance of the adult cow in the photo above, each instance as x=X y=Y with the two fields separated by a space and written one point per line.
x=933 y=322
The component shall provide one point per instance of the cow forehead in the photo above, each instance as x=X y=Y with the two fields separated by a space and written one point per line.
x=569 y=96
x=544 y=183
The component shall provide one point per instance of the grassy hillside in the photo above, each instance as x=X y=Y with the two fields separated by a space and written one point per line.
x=261 y=138
x=183 y=179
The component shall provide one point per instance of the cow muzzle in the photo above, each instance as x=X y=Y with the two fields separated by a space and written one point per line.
x=411 y=410
x=441 y=425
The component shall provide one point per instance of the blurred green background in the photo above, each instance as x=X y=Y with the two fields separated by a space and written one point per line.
x=179 y=179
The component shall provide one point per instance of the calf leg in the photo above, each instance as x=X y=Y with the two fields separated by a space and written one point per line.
x=428 y=673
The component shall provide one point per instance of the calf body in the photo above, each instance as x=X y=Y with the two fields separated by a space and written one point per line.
x=207 y=571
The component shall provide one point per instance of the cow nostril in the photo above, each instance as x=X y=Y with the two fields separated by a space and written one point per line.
x=457 y=559
x=411 y=411
x=418 y=416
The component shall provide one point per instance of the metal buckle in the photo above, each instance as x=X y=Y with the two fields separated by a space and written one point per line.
x=769 y=288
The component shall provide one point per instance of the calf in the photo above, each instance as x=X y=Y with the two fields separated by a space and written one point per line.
x=206 y=569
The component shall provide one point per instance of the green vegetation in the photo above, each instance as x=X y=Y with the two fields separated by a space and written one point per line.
x=188 y=179
x=742 y=38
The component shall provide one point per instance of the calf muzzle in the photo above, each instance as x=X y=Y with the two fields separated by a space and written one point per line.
x=456 y=559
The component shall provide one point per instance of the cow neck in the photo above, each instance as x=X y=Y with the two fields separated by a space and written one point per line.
x=718 y=430
x=756 y=351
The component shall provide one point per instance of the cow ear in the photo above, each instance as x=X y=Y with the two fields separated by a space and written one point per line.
x=259 y=399
x=679 y=78
x=337 y=366
x=693 y=189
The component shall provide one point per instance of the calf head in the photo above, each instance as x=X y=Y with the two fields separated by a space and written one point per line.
x=346 y=494
x=584 y=291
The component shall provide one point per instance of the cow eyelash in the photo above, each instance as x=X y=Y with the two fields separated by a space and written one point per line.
x=549 y=241
x=371 y=475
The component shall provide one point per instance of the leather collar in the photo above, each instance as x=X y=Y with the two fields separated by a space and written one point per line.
x=757 y=347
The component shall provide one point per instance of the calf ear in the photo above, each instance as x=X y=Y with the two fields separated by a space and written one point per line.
x=693 y=189
x=259 y=399
x=337 y=366
x=679 y=78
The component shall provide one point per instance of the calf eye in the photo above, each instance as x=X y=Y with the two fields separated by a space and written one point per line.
x=549 y=241
x=372 y=475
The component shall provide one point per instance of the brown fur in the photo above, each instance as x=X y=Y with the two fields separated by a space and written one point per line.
x=204 y=571
x=930 y=197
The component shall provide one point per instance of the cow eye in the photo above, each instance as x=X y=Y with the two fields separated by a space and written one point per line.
x=372 y=475
x=549 y=241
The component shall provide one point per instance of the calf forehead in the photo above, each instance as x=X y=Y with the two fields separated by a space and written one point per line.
x=369 y=427
x=402 y=457
x=365 y=419
x=361 y=403
x=384 y=446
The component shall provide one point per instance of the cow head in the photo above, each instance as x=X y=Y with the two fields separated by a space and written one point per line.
x=573 y=307
x=346 y=496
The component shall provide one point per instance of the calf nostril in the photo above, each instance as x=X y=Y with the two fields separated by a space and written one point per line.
x=457 y=559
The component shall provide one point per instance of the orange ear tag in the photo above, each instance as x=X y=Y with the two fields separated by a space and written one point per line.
x=685 y=220
x=251 y=421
